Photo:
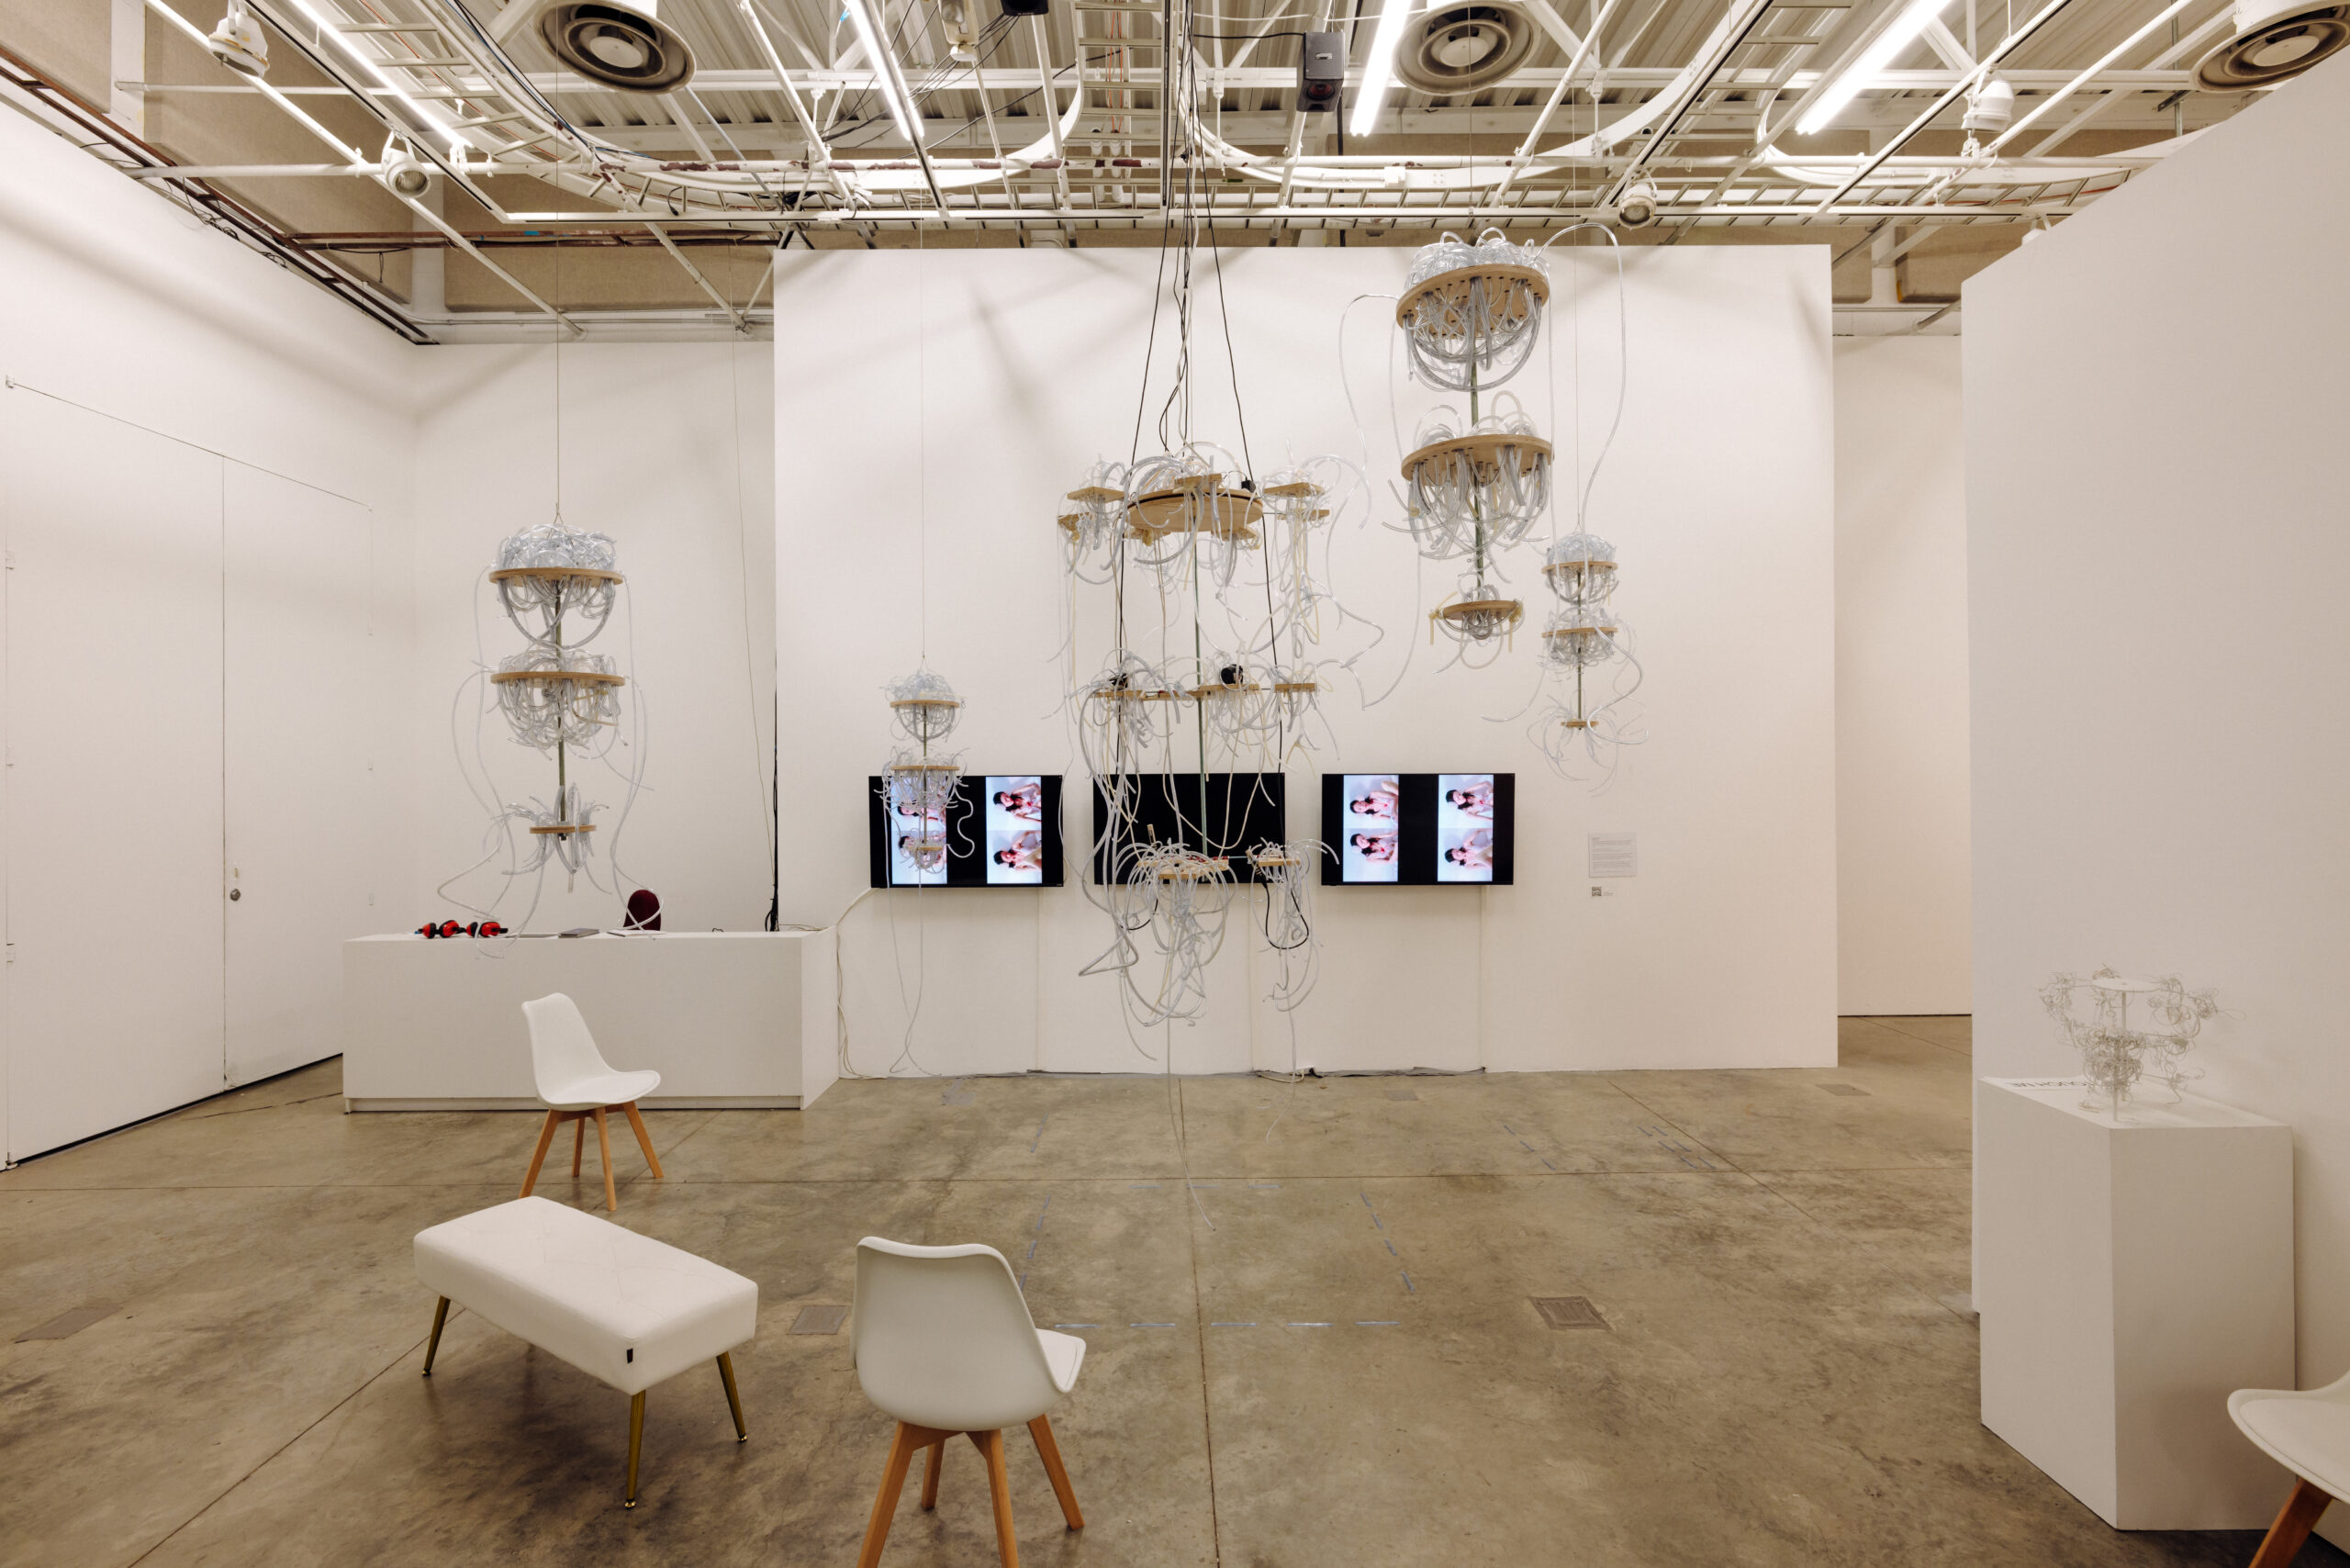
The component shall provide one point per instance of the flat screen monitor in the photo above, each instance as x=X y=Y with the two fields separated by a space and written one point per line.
x=1228 y=814
x=1419 y=829
x=1001 y=830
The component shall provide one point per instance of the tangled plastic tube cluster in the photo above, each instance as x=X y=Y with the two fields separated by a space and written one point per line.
x=1470 y=311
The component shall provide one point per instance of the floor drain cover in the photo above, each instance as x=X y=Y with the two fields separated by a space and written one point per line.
x=1569 y=1312
x=820 y=1320
x=1842 y=1088
x=66 y=1325
x=1403 y=1094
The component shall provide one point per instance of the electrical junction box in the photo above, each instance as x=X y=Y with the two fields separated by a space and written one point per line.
x=1024 y=7
x=1321 y=71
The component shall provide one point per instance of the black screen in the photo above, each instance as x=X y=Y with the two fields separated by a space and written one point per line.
x=1228 y=814
x=1419 y=829
x=1003 y=830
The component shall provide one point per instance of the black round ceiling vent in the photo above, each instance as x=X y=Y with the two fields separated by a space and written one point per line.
x=1463 y=48
x=2273 y=44
x=622 y=46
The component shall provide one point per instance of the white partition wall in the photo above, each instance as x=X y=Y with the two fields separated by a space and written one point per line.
x=950 y=398
x=114 y=781
x=2156 y=540
x=1901 y=718
x=203 y=473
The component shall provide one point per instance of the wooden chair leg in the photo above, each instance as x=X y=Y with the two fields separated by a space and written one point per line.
x=604 y=1142
x=893 y=1480
x=1049 y=1452
x=578 y=1143
x=636 y=1444
x=2294 y=1522
x=432 y=1346
x=934 y=1461
x=643 y=1140
x=734 y=1399
x=999 y=1489
x=539 y=1155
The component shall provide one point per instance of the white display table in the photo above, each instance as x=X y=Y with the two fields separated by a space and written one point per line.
x=728 y=1018
x=2131 y=1275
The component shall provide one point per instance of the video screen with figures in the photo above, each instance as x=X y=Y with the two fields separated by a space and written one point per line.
x=995 y=830
x=1419 y=829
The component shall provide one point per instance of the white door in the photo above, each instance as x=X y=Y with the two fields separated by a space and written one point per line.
x=304 y=700
x=113 y=776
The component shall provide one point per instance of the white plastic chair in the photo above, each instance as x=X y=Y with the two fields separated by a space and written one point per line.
x=577 y=1083
x=943 y=1341
x=2308 y=1432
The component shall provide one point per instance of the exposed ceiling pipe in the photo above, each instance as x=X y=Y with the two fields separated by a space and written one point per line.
x=353 y=155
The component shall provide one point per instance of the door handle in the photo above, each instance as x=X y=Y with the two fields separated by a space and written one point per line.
x=236 y=893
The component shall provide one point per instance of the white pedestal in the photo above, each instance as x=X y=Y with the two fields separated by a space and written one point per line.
x=2130 y=1276
x=728 y=1018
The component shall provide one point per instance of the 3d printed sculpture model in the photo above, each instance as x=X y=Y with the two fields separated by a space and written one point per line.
x=2115 y=1055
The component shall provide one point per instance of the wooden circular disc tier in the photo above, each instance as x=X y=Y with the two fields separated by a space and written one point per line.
x=556 y=574
x=1231 y=514
x=1192 y=870
x=1294 y=487
x=924 y=767
x=1458 y=280
x=1199 y=693
x=1294 y=686
x=1127 y=694
x=564 y=830
x=1482 y=449
x=925 y=702
x=552 y=677
x=1579 y=631
x=1097 y=495
x=1468 y=608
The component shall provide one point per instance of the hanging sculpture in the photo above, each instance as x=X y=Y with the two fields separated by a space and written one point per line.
x=1585 y=644
x=557 y=586
x=1470 y=314
x=920 y=780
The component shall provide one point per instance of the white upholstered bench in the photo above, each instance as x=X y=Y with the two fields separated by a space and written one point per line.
x=619 y=1307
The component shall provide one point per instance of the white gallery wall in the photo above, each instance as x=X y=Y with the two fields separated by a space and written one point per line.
x=668 y=448
x=931 y=412
x=204 y=480
x=2156 y=553
x=1901 y=711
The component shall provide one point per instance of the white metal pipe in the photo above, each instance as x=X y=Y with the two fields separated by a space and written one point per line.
x=353 y=155
x=255 y=170
x=2075 y=85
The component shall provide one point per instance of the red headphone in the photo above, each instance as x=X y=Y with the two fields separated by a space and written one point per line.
x=450 y=928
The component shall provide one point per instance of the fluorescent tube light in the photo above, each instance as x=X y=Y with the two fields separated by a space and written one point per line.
x=884 y=76
x=1871 y=63
x=1379 y=71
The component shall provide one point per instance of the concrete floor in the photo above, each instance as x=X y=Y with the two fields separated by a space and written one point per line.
x=1346 y=1370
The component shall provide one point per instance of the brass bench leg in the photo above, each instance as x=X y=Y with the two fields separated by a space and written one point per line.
x=734 y=1399
x=432 y=1346
x=635 y=1445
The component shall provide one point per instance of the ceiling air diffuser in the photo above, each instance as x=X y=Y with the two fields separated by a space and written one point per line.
x=2273 y=43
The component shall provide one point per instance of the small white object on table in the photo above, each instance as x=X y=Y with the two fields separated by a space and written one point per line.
x=729 y=1019
x=2131 y=1275
x=622 y=1307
